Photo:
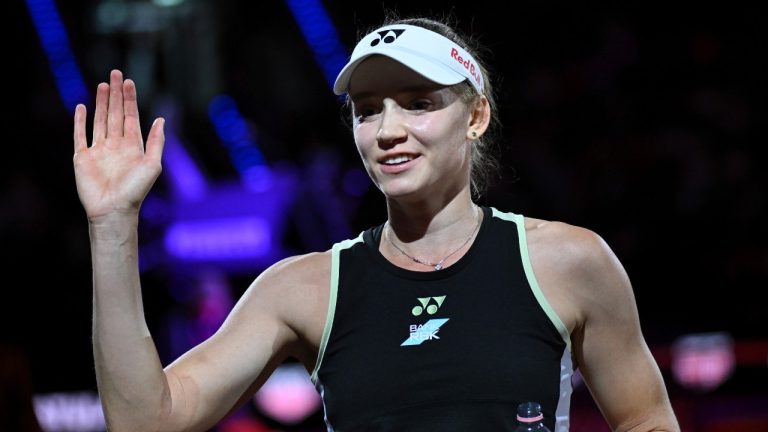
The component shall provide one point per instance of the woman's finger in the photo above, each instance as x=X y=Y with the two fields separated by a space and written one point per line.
x=100 y=113
x=156 y=140
x=132 y=128
x=115 y=116
x=81 y=142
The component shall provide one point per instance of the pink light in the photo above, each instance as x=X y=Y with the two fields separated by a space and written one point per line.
x=703 y=361
x=288 y=396
x=243 y=425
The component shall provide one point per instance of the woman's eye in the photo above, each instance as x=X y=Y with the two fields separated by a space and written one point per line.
x=420 y=104
x=364 y=112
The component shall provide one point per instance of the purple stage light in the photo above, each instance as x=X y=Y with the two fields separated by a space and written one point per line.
x=226 y=238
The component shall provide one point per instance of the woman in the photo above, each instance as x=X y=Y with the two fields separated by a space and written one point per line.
x=443 y=318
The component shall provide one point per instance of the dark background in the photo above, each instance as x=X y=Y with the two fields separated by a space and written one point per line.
x=645 y=124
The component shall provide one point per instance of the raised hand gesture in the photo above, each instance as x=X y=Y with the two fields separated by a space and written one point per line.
x=115 y=173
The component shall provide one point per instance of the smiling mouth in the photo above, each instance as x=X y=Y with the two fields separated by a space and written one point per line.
x=398 y=160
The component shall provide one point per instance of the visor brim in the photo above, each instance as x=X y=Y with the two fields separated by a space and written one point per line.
x=427 y=68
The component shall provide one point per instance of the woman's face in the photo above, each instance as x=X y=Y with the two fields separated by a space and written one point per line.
x=412 y=133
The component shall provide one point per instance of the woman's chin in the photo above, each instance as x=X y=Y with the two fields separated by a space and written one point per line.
x=402 y=192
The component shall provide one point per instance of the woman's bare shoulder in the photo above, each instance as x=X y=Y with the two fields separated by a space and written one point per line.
x=573 y=246
x=296 y=291
x=578 y=258
x=306 y=268
x=297 y=283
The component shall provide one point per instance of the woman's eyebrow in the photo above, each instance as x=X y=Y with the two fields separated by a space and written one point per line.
x=361 y=95
x=418 y=88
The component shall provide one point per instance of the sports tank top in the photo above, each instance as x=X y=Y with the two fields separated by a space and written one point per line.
x=450 y=350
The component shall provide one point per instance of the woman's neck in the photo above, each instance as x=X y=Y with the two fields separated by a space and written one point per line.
x=432 y=224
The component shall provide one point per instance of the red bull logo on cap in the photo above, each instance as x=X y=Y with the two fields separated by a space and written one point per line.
x=467 y=63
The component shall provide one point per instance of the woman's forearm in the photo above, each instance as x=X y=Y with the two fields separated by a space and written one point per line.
x=132 y=385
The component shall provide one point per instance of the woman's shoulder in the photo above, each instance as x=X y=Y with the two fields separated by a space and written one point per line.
x=308 y=268
x=561 y=233
x=312 y=268
x=576 y=269
x=296 y=290
x=578 y=251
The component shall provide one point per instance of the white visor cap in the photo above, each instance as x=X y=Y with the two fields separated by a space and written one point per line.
x=432 y=55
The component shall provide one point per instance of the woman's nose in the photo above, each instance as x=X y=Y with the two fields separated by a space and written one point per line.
x=392 y=129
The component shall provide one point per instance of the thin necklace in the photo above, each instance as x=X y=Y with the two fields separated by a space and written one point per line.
x=438 y=265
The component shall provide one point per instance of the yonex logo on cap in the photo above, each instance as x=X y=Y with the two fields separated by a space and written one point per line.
x=388 y=36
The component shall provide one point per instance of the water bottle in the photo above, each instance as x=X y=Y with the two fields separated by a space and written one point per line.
x=530 y=418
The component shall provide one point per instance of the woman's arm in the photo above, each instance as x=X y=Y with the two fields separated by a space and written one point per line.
x=113 y=176
x=587 y=286
x=610 y=350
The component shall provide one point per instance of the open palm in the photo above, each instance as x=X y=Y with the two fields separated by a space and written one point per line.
x=115 y=173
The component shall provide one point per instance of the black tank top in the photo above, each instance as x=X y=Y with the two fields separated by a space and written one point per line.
x=450 y=350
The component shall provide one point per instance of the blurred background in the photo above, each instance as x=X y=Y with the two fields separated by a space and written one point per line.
x=646 y=125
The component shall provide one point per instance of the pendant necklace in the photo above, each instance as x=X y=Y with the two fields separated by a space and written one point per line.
x=438 y=265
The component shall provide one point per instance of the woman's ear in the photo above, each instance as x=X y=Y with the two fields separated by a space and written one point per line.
x=479 y=118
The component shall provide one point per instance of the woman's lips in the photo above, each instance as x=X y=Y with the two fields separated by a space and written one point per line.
x=398 y=168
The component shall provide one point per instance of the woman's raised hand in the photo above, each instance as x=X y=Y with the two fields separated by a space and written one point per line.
x=115 y=173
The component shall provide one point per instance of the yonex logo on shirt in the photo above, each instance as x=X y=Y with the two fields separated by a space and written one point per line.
x=431 y=308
